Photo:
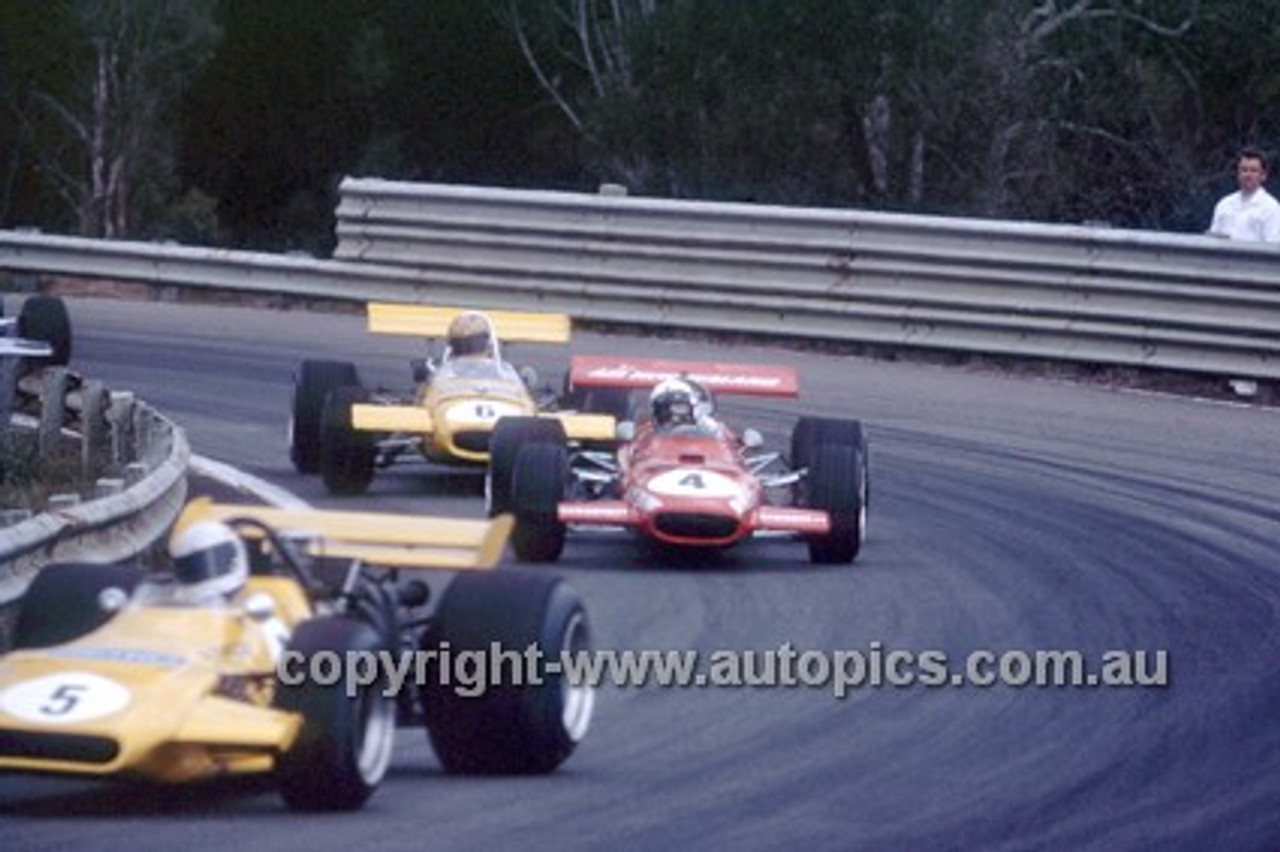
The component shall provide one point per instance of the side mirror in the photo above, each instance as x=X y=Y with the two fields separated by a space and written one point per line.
x=422 y=370
x=260 y=606
x=625 y=430
x=112 y=599
x=752 y=439
x=529 y=376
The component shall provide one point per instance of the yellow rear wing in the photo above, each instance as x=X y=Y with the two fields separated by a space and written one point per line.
x=429 y=321
x=393 y=540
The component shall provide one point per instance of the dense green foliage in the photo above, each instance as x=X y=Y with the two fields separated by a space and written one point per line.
x=231 y=121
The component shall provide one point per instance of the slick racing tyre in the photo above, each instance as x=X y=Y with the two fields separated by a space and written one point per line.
x=509 y=435
x=531 y=721
x=809 y=432
x=834 y=454
x=45 y=318
x=537 y=487
x=347 y=455
x=348 y=730
x=312 y=385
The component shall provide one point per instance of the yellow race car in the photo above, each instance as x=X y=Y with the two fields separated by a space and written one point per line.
x=292 y=643
x=344 y=432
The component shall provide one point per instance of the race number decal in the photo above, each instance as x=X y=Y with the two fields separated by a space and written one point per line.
x=64 y=698
x=480 y=411
x=693 y=482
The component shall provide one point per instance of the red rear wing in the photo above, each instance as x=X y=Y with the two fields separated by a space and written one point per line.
x=593 y=371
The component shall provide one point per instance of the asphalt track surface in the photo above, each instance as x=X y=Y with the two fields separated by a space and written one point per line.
x=1008 y=514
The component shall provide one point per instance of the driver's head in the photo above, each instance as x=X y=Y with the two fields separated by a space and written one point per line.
x=673 y=403
x=209 y=559
x=470 y=334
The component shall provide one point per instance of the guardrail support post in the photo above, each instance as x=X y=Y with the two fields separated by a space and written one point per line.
x=53 y=409
x=120 y=420
x=95 y=436
x=8 y=388
x=63 y=501
x=8 y=391
x=135 y=472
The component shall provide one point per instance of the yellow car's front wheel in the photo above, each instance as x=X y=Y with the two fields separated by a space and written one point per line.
x=348 y=729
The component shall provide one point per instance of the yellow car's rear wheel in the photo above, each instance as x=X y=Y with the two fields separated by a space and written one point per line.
x=531 y=720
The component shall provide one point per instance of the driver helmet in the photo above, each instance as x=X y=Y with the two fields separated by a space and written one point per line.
x=209 y=559
x=674 y=403
x=470 y=334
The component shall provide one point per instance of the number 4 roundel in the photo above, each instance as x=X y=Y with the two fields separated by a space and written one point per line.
x=693 y=482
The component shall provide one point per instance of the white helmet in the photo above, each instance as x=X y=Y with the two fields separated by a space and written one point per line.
x=208 y=559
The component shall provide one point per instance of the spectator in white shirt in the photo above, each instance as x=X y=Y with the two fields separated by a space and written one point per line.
x=1251 y=213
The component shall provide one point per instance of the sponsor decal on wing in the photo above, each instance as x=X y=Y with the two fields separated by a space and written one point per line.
x=757 y=379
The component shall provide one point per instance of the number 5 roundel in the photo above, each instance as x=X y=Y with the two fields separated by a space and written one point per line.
x=64 y=698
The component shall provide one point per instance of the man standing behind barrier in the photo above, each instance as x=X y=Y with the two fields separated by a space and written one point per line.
x=1250 y=213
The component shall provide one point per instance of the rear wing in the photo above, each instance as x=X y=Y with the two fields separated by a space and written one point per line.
x=429 y=321
x=596 y=371
x=393 y=540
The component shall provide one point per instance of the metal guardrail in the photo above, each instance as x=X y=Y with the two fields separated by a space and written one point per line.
x=127 y=512
x=1067 y=292
x=1184 y=302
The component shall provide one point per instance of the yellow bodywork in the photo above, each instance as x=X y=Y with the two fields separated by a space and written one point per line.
x=454 y=414
x=161 y=692
x=402 y=541
x=172 y=692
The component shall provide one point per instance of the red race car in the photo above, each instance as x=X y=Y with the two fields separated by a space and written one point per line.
x=681 y=476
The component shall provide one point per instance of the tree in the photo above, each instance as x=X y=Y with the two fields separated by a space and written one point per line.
x=279 y=114
x=458 y=103
x=581 y=54
x=96 y=113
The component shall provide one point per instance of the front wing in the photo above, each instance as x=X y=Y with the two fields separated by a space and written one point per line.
x=415 y=419
x=618 y=513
